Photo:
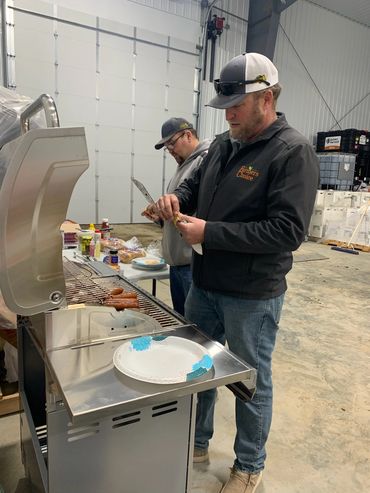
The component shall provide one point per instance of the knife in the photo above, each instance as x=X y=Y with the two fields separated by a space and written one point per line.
x=143 y=190
x=197 y=246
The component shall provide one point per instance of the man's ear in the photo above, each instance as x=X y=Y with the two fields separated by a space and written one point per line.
x=268 y=97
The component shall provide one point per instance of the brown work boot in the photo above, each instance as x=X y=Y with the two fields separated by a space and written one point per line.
x=242 y=482
x=200 y=455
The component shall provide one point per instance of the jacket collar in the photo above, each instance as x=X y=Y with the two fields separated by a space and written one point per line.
x=269 y=132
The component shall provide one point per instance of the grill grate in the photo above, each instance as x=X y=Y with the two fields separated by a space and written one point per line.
x=83 y=285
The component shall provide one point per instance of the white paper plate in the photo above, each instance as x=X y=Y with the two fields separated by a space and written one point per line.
x=148 y=263
x=161 y=359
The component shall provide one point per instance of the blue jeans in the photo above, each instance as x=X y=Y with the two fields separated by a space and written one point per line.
x=249 y=327
x=180 y=282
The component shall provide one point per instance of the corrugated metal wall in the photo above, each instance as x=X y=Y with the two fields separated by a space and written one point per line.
x=323 y=61
x=231 y=43
x=324 y=65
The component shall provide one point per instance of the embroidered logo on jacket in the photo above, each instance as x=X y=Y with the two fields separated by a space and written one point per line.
x=248 y=173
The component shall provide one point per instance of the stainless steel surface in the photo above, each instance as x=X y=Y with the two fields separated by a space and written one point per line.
x=44 y=167
x=90 y=325
x=146 y=450
x=77 y=344
x=44 y=102
x=92 y=387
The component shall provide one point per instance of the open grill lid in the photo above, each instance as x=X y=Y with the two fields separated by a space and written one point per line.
x=42 y=168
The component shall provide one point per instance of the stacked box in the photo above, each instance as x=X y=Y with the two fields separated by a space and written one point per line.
x=323 y=217
x=337 y=213
x=336 y=170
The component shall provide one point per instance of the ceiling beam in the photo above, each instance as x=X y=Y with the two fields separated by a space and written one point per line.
x=263 y=23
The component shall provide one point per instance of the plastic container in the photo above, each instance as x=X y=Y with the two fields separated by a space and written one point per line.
x=84 y=239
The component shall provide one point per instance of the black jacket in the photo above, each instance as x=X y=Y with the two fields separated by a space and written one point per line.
x=257 y=206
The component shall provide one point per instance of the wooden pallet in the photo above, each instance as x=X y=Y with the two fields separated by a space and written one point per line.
x=9 y=404
x=355 y=246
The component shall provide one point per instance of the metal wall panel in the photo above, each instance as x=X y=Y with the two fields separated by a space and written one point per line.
x=324 y=66
x=357 y=10
x=232 y=42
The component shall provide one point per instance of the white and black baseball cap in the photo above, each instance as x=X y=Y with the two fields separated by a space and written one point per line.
x=170 y=128
x=249 y=72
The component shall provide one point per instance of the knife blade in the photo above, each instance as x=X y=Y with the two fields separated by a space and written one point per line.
x=197 y=246
x=143 y=190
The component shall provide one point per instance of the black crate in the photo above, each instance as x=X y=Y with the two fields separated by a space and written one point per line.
x=362 y=172
x=350 y=140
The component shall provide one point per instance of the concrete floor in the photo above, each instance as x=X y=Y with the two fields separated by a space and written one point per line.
x=320 y=436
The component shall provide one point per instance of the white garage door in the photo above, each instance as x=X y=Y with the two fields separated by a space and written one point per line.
x=120 y=83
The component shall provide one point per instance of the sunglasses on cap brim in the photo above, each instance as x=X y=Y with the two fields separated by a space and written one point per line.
x=229 y=88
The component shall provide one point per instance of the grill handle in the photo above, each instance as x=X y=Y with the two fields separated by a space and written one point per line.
x=44 y=102
x=241 y=391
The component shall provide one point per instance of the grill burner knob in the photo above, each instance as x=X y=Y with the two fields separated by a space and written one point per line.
x=56 y=297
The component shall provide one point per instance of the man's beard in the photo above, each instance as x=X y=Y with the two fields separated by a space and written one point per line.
x=247 y=130
x=178 y=159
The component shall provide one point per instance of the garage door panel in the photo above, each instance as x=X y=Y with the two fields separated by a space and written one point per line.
x=115 y=139
x=149 y=121
x=113 y=88
x=150 y=94
x=76 y=109
x=115 y=114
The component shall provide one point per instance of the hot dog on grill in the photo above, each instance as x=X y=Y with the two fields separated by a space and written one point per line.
x=122 y=303
x=116 y=291
x=124 y=294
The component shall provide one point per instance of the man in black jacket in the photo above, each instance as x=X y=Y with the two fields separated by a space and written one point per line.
x=253 y=198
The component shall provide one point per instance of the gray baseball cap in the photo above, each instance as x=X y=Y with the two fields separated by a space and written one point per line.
x=246 y=73
x=170 y=128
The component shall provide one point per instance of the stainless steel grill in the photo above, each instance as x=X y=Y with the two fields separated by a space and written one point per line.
x=83 y=285
x=84 y=421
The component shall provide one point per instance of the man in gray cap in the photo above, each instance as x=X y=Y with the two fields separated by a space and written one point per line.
x=253 y=199
x=180 y=139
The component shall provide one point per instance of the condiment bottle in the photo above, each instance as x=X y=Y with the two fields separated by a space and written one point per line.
x=97 y=245
x=92 y=246
x=105 y=229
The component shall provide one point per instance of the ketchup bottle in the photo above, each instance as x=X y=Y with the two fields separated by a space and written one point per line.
x=105 y=229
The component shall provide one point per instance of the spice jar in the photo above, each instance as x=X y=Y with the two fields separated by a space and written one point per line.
x=113 y=257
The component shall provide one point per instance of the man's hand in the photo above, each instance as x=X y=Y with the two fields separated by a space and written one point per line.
x=151 y=213
x=168 y=206
x=191 y=229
